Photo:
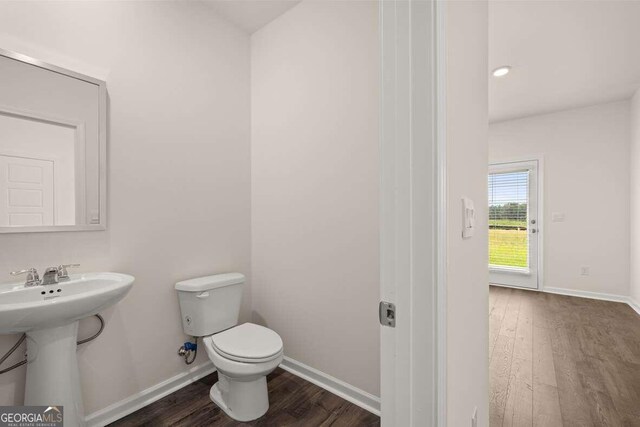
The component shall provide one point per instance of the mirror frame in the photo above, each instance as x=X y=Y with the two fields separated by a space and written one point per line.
x=102 y=149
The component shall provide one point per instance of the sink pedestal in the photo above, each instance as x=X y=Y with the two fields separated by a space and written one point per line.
x=53 y=378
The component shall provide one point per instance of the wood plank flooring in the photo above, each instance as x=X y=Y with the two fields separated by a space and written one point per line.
x=293 y=402
x=562 y=361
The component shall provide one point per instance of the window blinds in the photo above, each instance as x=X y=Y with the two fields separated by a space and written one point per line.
x=508 y=212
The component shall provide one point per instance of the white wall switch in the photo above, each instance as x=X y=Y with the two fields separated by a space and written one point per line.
x=468 y=218
x=584 y=271
x=557 y=217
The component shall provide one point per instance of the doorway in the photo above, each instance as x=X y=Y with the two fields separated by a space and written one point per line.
x=514 y=225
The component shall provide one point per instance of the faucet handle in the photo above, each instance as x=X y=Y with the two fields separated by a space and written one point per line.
x=62 y=270
x=32 y=276
x=27 y=271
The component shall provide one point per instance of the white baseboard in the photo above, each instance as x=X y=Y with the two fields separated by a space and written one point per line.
x=634 y=304
x=587 y=294
x=340 y=388
x=139 y=400
x=595 y=295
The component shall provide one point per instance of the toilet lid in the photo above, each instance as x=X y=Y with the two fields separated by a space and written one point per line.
x=247 y=342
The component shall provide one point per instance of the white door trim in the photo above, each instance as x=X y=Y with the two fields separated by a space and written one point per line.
x=79 y=152
x=413 y=362
x=442 y=203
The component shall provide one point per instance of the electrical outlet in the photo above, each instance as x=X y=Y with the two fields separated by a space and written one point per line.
x=584 y=271
x=474 y=418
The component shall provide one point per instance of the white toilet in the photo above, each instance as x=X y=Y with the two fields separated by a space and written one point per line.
x=243 y=355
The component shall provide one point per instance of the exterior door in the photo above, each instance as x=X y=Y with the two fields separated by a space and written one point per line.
x=514 y=227
x=26 y=192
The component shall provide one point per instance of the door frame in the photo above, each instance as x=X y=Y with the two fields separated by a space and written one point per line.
x=541 y=220
x=47 y=158
x=413 y=212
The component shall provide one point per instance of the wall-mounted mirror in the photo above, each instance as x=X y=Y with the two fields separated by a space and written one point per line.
x=52 y=147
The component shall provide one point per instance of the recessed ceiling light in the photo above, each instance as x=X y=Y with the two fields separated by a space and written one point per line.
x=501 y=71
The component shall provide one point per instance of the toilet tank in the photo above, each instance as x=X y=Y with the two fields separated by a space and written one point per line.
x=210 y=304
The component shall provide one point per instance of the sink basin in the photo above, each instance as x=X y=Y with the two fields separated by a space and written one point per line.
x=49 y=316
x=38 y=307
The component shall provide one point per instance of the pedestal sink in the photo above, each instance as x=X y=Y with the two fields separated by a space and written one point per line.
x=49 y=316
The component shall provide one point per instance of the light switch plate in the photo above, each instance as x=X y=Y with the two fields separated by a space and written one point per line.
x=468 y=218
x=557 y=217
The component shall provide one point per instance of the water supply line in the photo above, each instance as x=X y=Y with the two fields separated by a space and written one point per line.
x=97 y=334
x=10 y=352
x=187 y=349
x=24 y=336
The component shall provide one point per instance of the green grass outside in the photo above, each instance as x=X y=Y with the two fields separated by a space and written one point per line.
x=507 y=222
x=508 y=247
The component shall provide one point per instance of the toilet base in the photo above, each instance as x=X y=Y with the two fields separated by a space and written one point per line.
x=241 y=400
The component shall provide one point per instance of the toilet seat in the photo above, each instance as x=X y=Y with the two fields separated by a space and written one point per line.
x=248 y=343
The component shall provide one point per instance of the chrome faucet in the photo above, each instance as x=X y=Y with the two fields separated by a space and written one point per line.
x=50 y=276
x=32 y=277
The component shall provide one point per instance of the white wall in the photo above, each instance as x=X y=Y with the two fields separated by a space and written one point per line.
x=634 y=291
x=586 y=177
x=315 y=107
x=179 y=173
x=467 y=273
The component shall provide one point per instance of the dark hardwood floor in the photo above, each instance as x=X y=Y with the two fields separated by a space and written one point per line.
x=292 y=402
x=562 y=361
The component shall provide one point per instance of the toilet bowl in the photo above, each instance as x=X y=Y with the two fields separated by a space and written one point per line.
x=243 y=355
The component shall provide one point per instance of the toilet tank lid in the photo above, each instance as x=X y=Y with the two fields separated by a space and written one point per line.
x=210 y=282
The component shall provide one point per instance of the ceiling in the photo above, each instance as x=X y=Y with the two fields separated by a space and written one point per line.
x=251 y=15
x=564 y=54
